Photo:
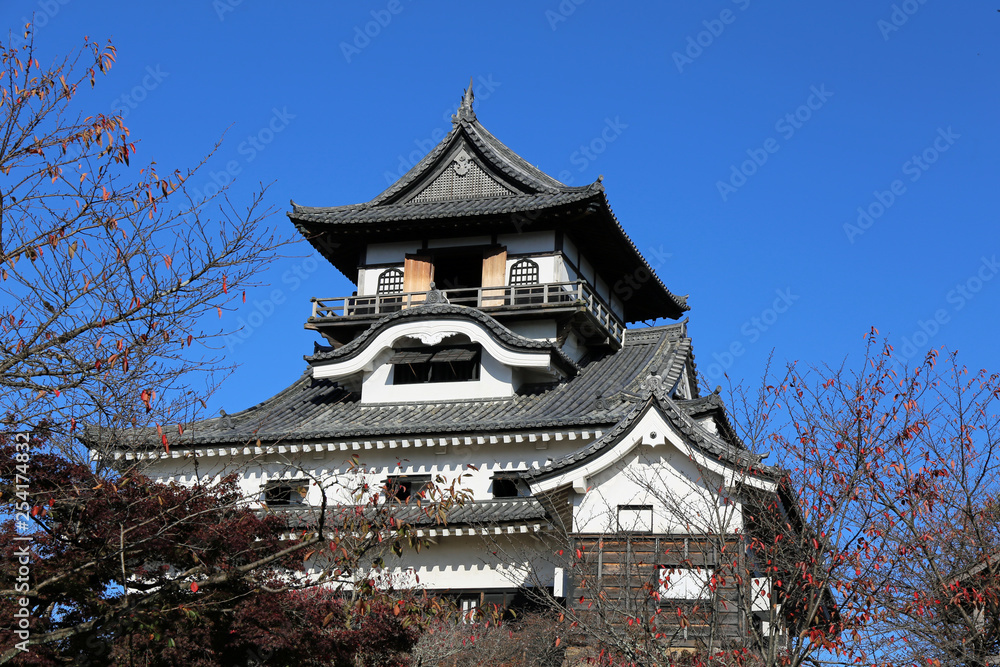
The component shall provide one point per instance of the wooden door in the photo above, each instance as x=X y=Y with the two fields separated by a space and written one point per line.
x=494 y=275
x=418 y=272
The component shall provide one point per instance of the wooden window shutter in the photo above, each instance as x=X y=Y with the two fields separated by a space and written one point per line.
x=418 y=272
x=494 y=275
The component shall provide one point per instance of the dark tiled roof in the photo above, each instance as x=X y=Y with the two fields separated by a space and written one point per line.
x=320 y=409
x=471 y=513
x=707 y=442
x=356 y=214
x=312 y=221
x=714 y=406
x=339 y=232
x=444 y=311
x=524 y=176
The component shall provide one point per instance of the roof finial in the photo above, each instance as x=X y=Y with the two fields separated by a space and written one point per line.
x=465 y=111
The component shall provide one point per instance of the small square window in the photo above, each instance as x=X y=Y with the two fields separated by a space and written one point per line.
x=470 y=610
x=280 y=495
x=635 y=518
x=403 y=488
x=505 y=487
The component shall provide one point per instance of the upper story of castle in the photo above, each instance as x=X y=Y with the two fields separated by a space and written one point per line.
x=475 y=227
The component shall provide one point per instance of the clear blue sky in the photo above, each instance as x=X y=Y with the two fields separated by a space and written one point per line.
x=693 y=91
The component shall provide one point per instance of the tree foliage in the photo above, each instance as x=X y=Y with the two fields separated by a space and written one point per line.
x=880 y=545
x=108 y=269
x=110 y=276
x=124 y=569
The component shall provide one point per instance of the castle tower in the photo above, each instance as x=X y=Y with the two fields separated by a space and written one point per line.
x=488 y=337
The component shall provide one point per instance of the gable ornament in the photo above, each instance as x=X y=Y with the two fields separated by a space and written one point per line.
x=462 y=163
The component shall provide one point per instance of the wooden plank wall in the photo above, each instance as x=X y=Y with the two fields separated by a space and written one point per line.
x=619 y=580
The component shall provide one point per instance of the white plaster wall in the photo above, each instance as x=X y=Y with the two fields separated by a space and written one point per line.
x=431 y=332
x=602 y=290
x=574 y=348
x=653 y=464
x=548 y=270
x=667 y=480
x=560 y=272
x=471 y=466
x=571 y=252
x=385 y=253
x=367 y=277
x=528 y=242
x=368 y=280
x=551 y=269
x=708 y=423
x=253 y=474
x=617 y=307
x=534 y=329
x=479 y=562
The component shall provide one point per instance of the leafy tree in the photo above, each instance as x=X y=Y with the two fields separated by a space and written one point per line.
x=107 y=269
x=880 y=545
x=123 y=570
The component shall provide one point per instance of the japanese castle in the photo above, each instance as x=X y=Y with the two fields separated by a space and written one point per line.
x=486 y=329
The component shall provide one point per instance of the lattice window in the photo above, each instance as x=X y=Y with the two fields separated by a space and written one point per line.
x=390 y=281
x=524 y=272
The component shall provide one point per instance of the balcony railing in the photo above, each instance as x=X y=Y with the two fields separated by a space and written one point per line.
x=512 y=298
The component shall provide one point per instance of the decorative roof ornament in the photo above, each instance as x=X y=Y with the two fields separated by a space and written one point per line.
x=605 y=403
x=652 y=384
x=465 y=111
x=435 y=295
x=461 y=163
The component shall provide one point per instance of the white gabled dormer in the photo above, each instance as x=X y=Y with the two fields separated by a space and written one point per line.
x=440 y=352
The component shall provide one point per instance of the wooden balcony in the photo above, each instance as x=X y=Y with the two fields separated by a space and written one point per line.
x=549 y=299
